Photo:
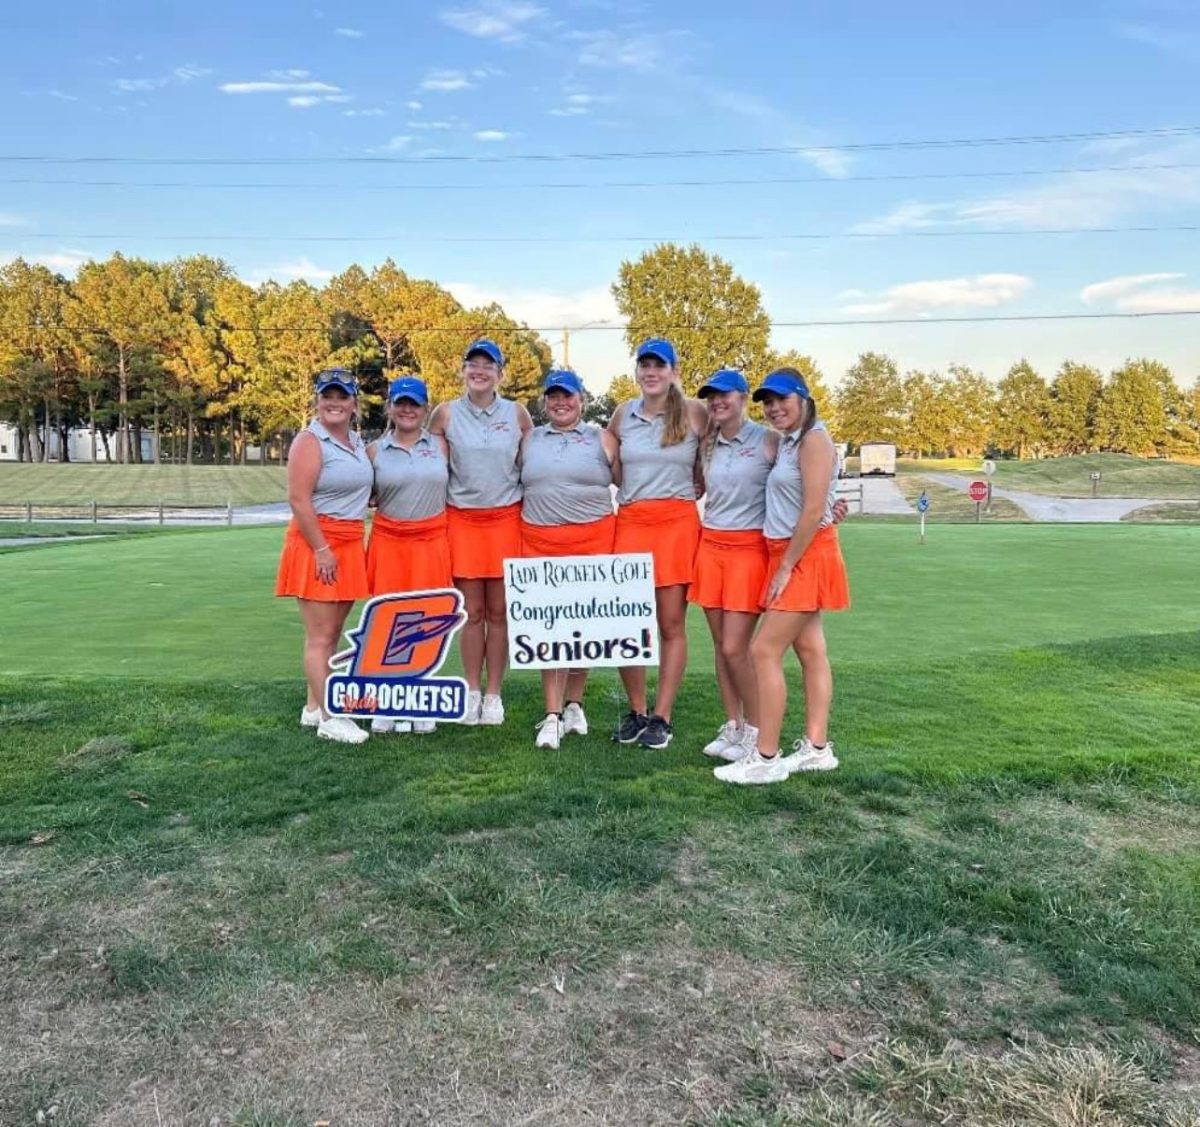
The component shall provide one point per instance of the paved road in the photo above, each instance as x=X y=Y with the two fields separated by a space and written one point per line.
x=1067 y=510
x=881 y=495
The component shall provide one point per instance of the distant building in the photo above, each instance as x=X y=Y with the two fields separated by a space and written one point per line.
x=79 y=445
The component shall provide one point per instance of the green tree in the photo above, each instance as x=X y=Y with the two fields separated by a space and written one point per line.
x=713 y=317
x=1022 y=411
x=972 y=409
x=1132 y=417
x=623 y=387
x=1074 y=397
x=123 y=301
x=870 y=402
x=38 y=371
x=928 y=413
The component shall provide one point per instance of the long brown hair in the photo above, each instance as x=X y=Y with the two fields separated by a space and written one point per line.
x=675 y=423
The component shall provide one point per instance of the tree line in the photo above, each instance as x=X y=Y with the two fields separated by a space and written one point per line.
x=211 y=365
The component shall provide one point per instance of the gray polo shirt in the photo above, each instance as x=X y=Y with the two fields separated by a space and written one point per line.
x=566 y=476
x=410 y=482
x=735 y=481
x=651 y=471
x=483 y=454
x=785 y=488
x=344 y=484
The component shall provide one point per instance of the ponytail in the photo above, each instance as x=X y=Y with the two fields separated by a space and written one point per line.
x=676 y=424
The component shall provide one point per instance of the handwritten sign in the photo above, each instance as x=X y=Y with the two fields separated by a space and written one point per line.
x=581 y=612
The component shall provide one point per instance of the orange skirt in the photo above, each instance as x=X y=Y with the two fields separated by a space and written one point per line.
x=408 y=555
x=482 y=539
x=731 y=568
x=669 y=530
x=595 y=538
x=818 y=581
x=297 y=575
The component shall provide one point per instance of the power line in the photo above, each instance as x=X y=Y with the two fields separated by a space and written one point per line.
x=641 y=154
x=690 y=238
x=755 y=181
x=970 y=319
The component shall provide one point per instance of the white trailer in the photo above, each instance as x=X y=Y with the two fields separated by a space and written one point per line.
x=877 y=459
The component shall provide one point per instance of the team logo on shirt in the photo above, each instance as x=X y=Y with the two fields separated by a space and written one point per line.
x=400 y=642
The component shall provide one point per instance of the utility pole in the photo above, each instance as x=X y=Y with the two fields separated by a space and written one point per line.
x=566 y=349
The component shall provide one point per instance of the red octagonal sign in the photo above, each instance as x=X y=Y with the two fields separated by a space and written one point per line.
x=977 y=491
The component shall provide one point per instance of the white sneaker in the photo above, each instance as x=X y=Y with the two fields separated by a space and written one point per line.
x=424 y=727
x=549 y=732
x=574 y=722
x=806 y=757
x=343 y=730
x=753 y=769
x=474 y=700
x=381 y=725
x=728 y=744
x=310 y=717
x=492 y=710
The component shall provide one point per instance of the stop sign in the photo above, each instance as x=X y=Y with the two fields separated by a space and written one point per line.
x=977 y=491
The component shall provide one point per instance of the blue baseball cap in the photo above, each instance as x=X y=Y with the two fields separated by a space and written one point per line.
x=563 y=378
x=724 y=379
x=337 y=377
x=408 y=387
x=781 y=382
x=660 y=347
x=489 y=348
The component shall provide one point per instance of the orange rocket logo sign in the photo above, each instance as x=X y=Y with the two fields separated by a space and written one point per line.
x=395 y=650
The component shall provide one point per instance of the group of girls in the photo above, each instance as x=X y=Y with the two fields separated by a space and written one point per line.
x=460 y=489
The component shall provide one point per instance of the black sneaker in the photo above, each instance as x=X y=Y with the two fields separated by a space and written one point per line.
x=630 y=728
x=657 y=732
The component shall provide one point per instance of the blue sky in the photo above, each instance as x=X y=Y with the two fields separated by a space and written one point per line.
x=275 y=82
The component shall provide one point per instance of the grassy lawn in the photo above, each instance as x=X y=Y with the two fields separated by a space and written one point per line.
x=140 y=485
x=946 y=504
x=1121 y=476
x=989 y=915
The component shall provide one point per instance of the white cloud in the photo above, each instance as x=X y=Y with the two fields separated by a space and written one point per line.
x=180 y=76
x=981 y=291
x=138 y=85
x=1118 y=287
x=289 y=75
x=302 y=269
x=570 y=111
x=1142 y=293
x=414 y=106
x=397 y=144
x=1167 y=300
x=348 y=32
x=61 y=261
x=1141 y=183
x=8 y=219
x=372 y=112
x=493 y=135
x=441 y=81
x=303 y=101
x=61 y=96
x=545 y=308
x=431 y=124
x=493 y=19
x=609 y=50
x=278 y=88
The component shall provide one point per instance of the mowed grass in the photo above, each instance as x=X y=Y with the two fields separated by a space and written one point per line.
x=78 y=483
x=989 y=915
x=1120 y=476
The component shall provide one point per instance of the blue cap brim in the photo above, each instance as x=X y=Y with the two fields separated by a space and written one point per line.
x=348 y=388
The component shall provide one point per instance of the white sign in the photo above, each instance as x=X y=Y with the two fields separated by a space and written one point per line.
x=989 y=467
x=581 y=612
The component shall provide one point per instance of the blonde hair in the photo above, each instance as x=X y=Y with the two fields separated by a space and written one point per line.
x=675 y=423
